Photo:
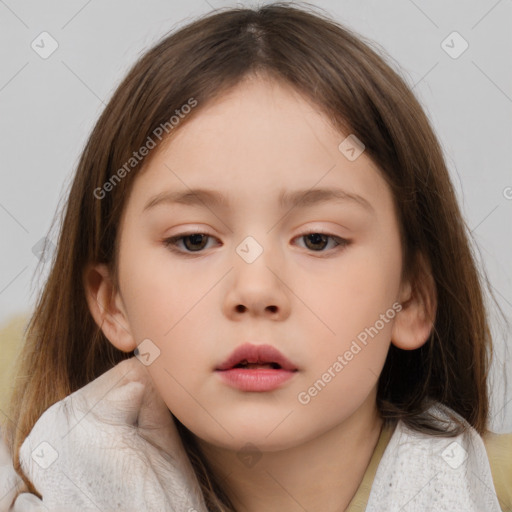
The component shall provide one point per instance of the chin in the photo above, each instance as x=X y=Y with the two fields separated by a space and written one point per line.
x=261 y=437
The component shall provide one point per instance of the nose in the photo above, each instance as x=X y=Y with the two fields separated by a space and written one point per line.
x=257 y=288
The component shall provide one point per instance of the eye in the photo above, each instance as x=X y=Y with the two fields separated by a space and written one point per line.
x=193 y=242
x=317 y=241
x=196 y=242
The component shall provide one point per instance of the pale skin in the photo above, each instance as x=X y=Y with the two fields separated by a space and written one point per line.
x=308 y=300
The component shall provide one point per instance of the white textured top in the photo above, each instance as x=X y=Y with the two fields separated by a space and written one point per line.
x=420 y=473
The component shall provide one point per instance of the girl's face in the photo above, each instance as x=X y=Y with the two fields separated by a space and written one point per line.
x=328 y=303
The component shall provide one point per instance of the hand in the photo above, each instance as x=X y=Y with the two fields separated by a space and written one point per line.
x=111 y=445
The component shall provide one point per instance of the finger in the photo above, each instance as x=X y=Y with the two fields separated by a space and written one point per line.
x=121 y=405
x=153 y=413
x=114 y=396
x=155 y=421
x=128 y=370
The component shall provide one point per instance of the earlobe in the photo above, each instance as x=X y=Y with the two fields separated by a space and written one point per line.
x=106 y=307
x=414 y=323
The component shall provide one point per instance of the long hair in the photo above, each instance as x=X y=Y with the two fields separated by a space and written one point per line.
x=352 y=85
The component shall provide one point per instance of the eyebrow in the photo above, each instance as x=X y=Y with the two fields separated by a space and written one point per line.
x=286 y=199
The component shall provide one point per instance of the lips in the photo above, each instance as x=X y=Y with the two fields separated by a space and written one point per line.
x=250 y=356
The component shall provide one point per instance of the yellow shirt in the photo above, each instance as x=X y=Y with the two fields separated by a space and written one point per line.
x=499 y=451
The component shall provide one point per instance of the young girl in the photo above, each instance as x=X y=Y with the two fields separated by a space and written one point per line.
x=263 y=295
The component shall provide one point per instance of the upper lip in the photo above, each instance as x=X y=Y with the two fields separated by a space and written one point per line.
x=260 y=354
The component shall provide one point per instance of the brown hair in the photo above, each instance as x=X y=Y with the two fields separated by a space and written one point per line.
x=360 y=94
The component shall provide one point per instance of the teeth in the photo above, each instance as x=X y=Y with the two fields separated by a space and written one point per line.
x=245 y=364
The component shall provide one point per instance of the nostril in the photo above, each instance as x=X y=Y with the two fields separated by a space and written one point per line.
x=241 y=308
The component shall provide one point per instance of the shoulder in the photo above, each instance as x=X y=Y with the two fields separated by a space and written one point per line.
x=458 y=467
x=499 y=452
x=498 y=449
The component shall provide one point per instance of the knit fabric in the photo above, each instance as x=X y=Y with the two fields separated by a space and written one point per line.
x=422 y=473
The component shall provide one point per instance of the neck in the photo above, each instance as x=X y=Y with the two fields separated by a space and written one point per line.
x=323 y=473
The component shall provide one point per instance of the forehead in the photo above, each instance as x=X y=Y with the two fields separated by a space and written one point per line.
x=254 y=142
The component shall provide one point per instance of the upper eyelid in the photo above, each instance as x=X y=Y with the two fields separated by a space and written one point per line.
x=304 y=233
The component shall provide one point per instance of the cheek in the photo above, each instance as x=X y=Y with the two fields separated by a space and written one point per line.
x=182 y=368
x=351 y=351
x=354 y=320
x=154 y=295
x=174 y=313
x=352 y=293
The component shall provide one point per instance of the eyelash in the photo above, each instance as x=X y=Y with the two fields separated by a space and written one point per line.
x=171 y=242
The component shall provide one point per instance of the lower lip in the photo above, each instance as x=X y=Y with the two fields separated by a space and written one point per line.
x=263 y=379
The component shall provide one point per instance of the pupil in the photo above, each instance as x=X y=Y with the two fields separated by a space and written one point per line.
x=316 y=238
x=195 y=238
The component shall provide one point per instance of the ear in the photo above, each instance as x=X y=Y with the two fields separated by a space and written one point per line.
x=107 y=308
x=418 y=297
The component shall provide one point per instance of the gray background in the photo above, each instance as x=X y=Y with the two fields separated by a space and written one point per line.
x=48 y=107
